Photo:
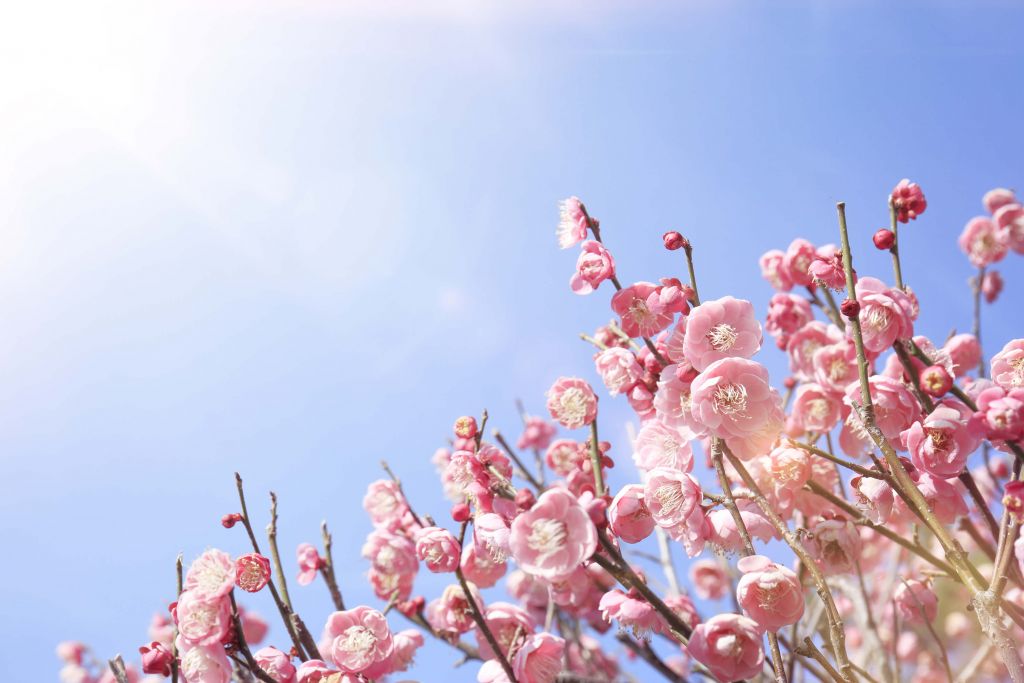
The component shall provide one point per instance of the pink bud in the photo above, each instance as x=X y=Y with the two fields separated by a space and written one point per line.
x=789 y=382
x=252 y=572
x=884 y=239
x=935 y=380
x=156 y=659
x=460 y=512
x=465 y=427
x=525 y=499
x=230 y=520
x=850 y=308
x=673 y=240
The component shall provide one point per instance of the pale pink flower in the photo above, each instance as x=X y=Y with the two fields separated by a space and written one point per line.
x=734 y=401
x=815 y=409
x=565 y=455
x=480 y=568
x=572 y=403
x=276 y=664
x=729 y=645
x=658 y=445
x=827 y=271
x=769 y=593
x=390 y=552
x=980 y=241
x=805 y=342
x=71 y=651
x=509 y=624
x=254 y=627
x=895 y=407
x=572 y=222
x=726 y=535
x=908 y=200
x=946 y=499
x=916 y=602
x=886 y=314
x=211 y=575
x=672 y=400
x=787 y=313
x=451 y=612
x=203 y=663
x=835 y=546
x=628 y=516
x=1008 y=365
x=540 y=659
x=537 y=433
x=360 y=640
x=594 y=266
x=1009 y=221
x=632 y=613
x=835 y=366
x=202 y=620
x=997 y=198
x=406 y=643
x=710 y=580
x=671 y=496
x=991 y=285
x=642 y=311
x=797 y=261
x=941 y=443
x=875 y=498
x=723 y=328
x=789 y=468
x=619 y=369
x=774 y=271
x=491 y=532
x=1002 y=412
x=438 y=549
x=384 y=503
x=316 y=671
x=553 y=537
x=964 y=352
x=309 y=563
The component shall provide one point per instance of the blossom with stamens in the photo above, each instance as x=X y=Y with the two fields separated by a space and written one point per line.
x=916 y=602
x=384 y=503
x=540 y=659
x=981 y=241
x=202 y=620
x=815 y=409
x=211 y=575
x=797 y=262
x=1008 y=365
x=275 y=664
x=729 y=645
x=895 y=407
x=632 y=613
x=828 y=271
x=769 y=593
x=671 y=496
x=438 y=549
x=571 y=402
x=805 y=342
x=619 y=369
x=360 y=640
x=451 y=613
x=1002 y=412
x=886 y=314
x=835 y=546
x=594 y=266
x=509 y=624
x=203 y=663
x=572 y=222
x=552 y=538
x=658 y=445
x=642 y=311
x=734 y=401
x=723 y=328
x=252 y=572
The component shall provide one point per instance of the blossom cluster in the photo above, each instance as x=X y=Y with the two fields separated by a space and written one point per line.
x=856 y=521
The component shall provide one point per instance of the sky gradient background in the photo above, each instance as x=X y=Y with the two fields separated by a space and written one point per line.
x=294 y=238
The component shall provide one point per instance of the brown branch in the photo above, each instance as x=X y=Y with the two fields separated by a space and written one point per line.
x=327 y=569
x=274 y=554
x=243 y=646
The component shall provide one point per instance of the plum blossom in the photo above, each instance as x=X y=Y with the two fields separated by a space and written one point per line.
x=787 y=313
x=438 y=549
x=886 y=314
x=895 y=407
x=509 y=624
x=202 y=620
x=1007 y=366
x=815 y=409
x=734 y=401
x=211 y=575
x=360 y=640
x=774 y=271
x=594 y=266
x=643 y=309
x=384 y=502
x=908 y=200
x=309 y=563
x=552 y=538
x=916 y=602
x=723 y=328
x=628 y=515
x=671 y=496
x=941 y=443
x=1002 y=412
x=203 y=663
x=964 y=353
x=537 y=433
x=276 y=664
x=540 y=659
x=710 y=581
x=997 y=198
x=572 y=222
x=619 y=369
x=835 y=546
x=729 y=645
x=1009 y=220
x=797 y=261
x=980 y=241
x=658 y=445
x=252 y=572
x=572 y=402
x=632 y=613
x=769 y=593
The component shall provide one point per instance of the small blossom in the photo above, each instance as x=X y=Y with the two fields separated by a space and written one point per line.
x=572 y=402
x=797 y=261
x=1013 y=499
x=537 y=433
x=769 y=593
x=1008 y=365
x=203 y=663
x=835 y=545
x=438 y=549
x=628 y=515
x=998 y=198
x=991 y=285
x=724 y=328
x=619 y=369
x=710 y=581
x=360 y=640
x=594 y=266
x=276 y=664
x=908 y=200
x=631 y=612
x=886 y=314
x=642 y=310
x=211 y=575
x=156 y=659
x=941 y=443
x=671 y=496
x=729 y=645
x=554 y=537
x=309 y=563
x=572 y=222
x=673 y=240
x=774 y=271
x=980 y=241
x=202 y=621
x=883 y=239
x=964 y=352
x=733 y=400
x=1009 y=221
x=540 y=659
x=828 y=271
x=916 y=602
x=252 y=572
x=787 y=313
x=465 y=427
x=1002 y=412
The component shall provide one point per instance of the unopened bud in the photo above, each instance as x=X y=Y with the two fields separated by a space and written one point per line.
x=935 y=380
x=229 y=520
x=673 y=240
x=525 y=499
x=460 y=512
x=884 y=239
x=465 y=427
x=850 y=308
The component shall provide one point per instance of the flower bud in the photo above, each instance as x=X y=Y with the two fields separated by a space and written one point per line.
x=229 y=520
x=884 y=239
x=465 y=427
x=252 y=572
x=525 y=499
x=673 y=240
x=789 y=382
x=850 y=308
x=411 y=606
x=1013 y=499
x=935 y=380
x=156 y=659
x=460 y=512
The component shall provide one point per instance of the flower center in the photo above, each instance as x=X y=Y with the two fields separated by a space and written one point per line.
x=877 y=318
x=573 y=404
x=722 y=337
x=358 y=639
x=730 y=399
x=1018 y=372
x=671 y=497
x=547 y=536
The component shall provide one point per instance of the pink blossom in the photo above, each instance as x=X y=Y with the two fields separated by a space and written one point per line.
x=815 y=409
x=909 y=201
x=438 y=549
x=787 y=313
x=406 y=643
x=552 y=538
x=628 y=516
x=565 y=455
x=509 y=624
x=537 y=433
x=797 y=261
x=835 y=546
x=671 y=496
x=658 y=445
x=1009 y=221
x=276 y=664
x=916 y=602
x=828 y=271
x=964 y=352
x=789 y=468
x=156 y=659
x=774 y=271
x=384 y=503
x=769 y=593
x=211 y=575
x=980 y=241
x=734 y=400
x=572 y=222
x=252 y=572
x=619 y=369
x=202 y=620
x=1002 y=412
x=944 y=498
x=309 y=563
x=642 y=310
x=360 y=640
x=1008 y=365
x=572 y=402
x=886 y=314
x=540 y=659
x=203 y=663
x=672 y=400
x=724 y=328
x=726 y=535
x=479 y=567
x=729 y=645
x=941 y=443
x=594 y=266
x=991 y=285
x=254 y=627
x=71 y=651
x=875 y=498
x=895 y=407
x=631 y=612
x=491 y=532
x=997 y=198
x=710 y=580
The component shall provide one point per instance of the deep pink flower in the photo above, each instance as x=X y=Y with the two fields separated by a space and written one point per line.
x=774 y=271
x=769 y=593
x=631 y=612
x=797 y=261
x=540 y=659
x=1008 y=365
x=724 y=328
x=642 y=310
x=815 y=409
x=895 y=407
x=572 y=222
x=909 y=201
x=734 y=400
x=203 y=663
x=628 y=515
x=156 y=659
x=916 y=602
x=537 y=433
x=1002 y=412
x=594 y=266
x=935 y=380
x=619 y=369
x=572 y=403
x=201 y=620
x=980 y=241
x=276 y=664
x=886 y=314
x=438 y=549
x=835 y=546
x=828 y=271
x=658 y=445
x=991 y=285
x=710 y=580
x=211 y=575
x=252 y=572
x=729 y=645
x=1009 y=222
x=360 y=639
x=941 y=443
x=552 y=538
x=997 y=198
x=309 y=563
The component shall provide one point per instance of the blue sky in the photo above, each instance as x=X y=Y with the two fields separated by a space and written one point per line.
x=295 y=238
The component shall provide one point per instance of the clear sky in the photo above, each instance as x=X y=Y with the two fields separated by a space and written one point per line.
x=294 y=238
